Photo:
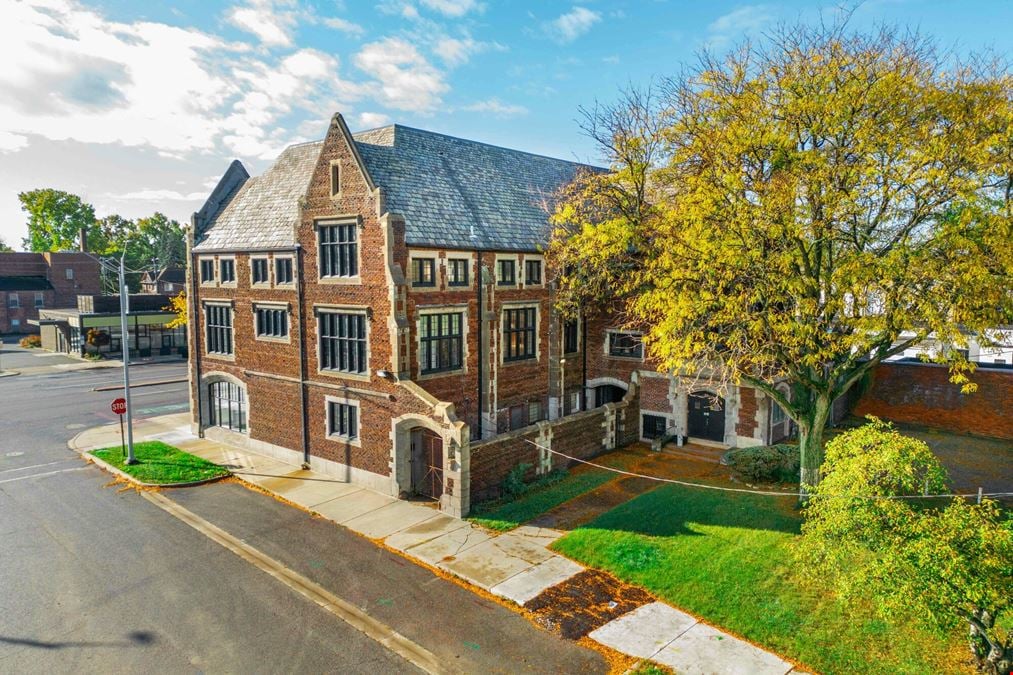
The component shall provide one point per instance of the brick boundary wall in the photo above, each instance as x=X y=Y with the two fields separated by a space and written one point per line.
x=920 y=393
x=583 y=435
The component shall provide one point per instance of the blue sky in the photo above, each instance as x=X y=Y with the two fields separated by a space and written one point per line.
x=140 y=106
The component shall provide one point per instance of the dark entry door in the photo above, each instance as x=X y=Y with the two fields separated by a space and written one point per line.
x=654 y=426
x=608 y=393
x=427 y=463
x=707 y=417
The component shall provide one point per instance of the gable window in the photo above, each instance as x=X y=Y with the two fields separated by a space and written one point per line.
x=571 y=332
x=440 y=342
x=519 y=334
x=457 y=272
x=227 y=270
x=13 y=301
x=339 y=250
x=40 y=300
x=335 y=179
x=218 y=323
x=342 y=420
x=533 y=272
x=258 y=271
x=626 y=345
x=207 y=270
x=507 y=272
x=423 y=271
x=282 y=271
x=271 y=322
x=342 y=342
x=69 y=272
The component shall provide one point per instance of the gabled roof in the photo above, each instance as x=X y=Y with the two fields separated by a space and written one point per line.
x=452 y=193
x=458 y=193
x=264 y=211
x=18 y=283
x=172 y=275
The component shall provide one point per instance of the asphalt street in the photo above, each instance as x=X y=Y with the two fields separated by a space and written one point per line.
x=96 y=578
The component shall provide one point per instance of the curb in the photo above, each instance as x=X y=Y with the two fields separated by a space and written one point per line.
x=156 y=383
x=10 y=373
x=102 y=464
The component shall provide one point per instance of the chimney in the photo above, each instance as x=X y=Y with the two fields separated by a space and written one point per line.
x=84 y=240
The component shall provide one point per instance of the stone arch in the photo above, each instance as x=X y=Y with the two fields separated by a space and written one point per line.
x=454 y=436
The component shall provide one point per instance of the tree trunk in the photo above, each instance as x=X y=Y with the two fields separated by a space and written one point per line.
x=993 y=657
x=810 y=437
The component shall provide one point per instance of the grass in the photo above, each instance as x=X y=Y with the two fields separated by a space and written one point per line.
x=505 y=515
x=158 y=462
x=727 y=557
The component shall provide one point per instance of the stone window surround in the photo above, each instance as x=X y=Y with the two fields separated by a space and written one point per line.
x=609 y=332
x=520 y=304
x=271 y=304
x=221 y=302
x=425 y=254
x=441 y=309
x=518 y=270
x=355 y=403
x=522 y=271
x=200 y=268
x=472 y=272
x=334 y=172
x=274 y=269
x=270 y=271
x=319 y=308
x=340 y=219
x=218 y=271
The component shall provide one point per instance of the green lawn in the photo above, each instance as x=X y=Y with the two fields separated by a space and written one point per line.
x=161 y=463
x=727 y=557
x=507 y=514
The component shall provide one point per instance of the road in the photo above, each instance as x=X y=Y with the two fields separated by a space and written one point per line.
x=96 y=578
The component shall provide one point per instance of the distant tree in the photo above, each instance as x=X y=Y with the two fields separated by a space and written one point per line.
x=177 y=305
x=55 y=219
x=798 y=211
x=942 y=565
x=4 y=248
x=157 y=242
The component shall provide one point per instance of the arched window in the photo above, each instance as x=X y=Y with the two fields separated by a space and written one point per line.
x=227 y=405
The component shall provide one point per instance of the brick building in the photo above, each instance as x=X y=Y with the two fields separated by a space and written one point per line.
x=376 y=306
x=33 y=281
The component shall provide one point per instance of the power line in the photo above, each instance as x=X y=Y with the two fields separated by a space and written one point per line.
x=767 y=493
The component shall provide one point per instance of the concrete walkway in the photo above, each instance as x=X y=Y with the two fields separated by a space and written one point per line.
x=515 y=565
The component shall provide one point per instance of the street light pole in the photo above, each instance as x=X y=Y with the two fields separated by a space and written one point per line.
x=125 y=347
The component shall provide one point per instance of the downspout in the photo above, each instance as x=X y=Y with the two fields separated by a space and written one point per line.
x=583 y=357
x=302 y=360
x=481 y=322
x=195 y=328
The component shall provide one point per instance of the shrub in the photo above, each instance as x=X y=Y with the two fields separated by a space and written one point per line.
x=513 y=484
x=97 y=338
x=31 y=342
x=766 y=463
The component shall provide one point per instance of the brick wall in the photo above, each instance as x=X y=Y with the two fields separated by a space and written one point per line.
x=52 y=266
x=922 y=394
x=654 y=395
x=745 y=425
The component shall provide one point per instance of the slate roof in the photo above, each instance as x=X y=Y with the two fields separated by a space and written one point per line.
x=20 y=283
x=451 y=192
x=458 y=193
x=264 y=212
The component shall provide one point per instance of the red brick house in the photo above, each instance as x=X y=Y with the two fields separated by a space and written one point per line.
x=33 y=281
x=375 y=306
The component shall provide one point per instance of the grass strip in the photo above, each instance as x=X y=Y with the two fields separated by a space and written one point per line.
x=160 y=463
x=505 y=515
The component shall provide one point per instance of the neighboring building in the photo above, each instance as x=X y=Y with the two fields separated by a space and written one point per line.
x=33 y=281
x=984 y=356
x=66 y=330
x=168 y=281
x=376 y=306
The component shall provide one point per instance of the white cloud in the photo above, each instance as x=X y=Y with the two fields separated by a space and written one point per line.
x=570 y=26
x=344 y=26
x=151 y=194
x=265 y=19
x=70 y=74
x=494 y=106
x=402 y=77
x=453 y=8
x=371 y=120
x=12 y=142
x=738 y=24
x=456 y=51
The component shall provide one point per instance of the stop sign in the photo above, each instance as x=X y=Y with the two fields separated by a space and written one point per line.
x=119 y=406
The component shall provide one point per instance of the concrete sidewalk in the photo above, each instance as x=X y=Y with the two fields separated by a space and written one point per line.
x=514 y=565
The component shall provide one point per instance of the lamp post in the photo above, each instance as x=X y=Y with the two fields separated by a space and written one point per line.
x=125 y=347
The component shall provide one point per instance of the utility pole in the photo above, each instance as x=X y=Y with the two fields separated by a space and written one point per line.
x=125 y=347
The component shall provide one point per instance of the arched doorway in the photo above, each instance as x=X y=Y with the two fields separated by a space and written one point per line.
x=426 y=463
x=706 y=417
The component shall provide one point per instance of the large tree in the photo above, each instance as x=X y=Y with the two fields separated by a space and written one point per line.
x=4 y=248
x=55 y=219
x=940 y=564
x=797 y=211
